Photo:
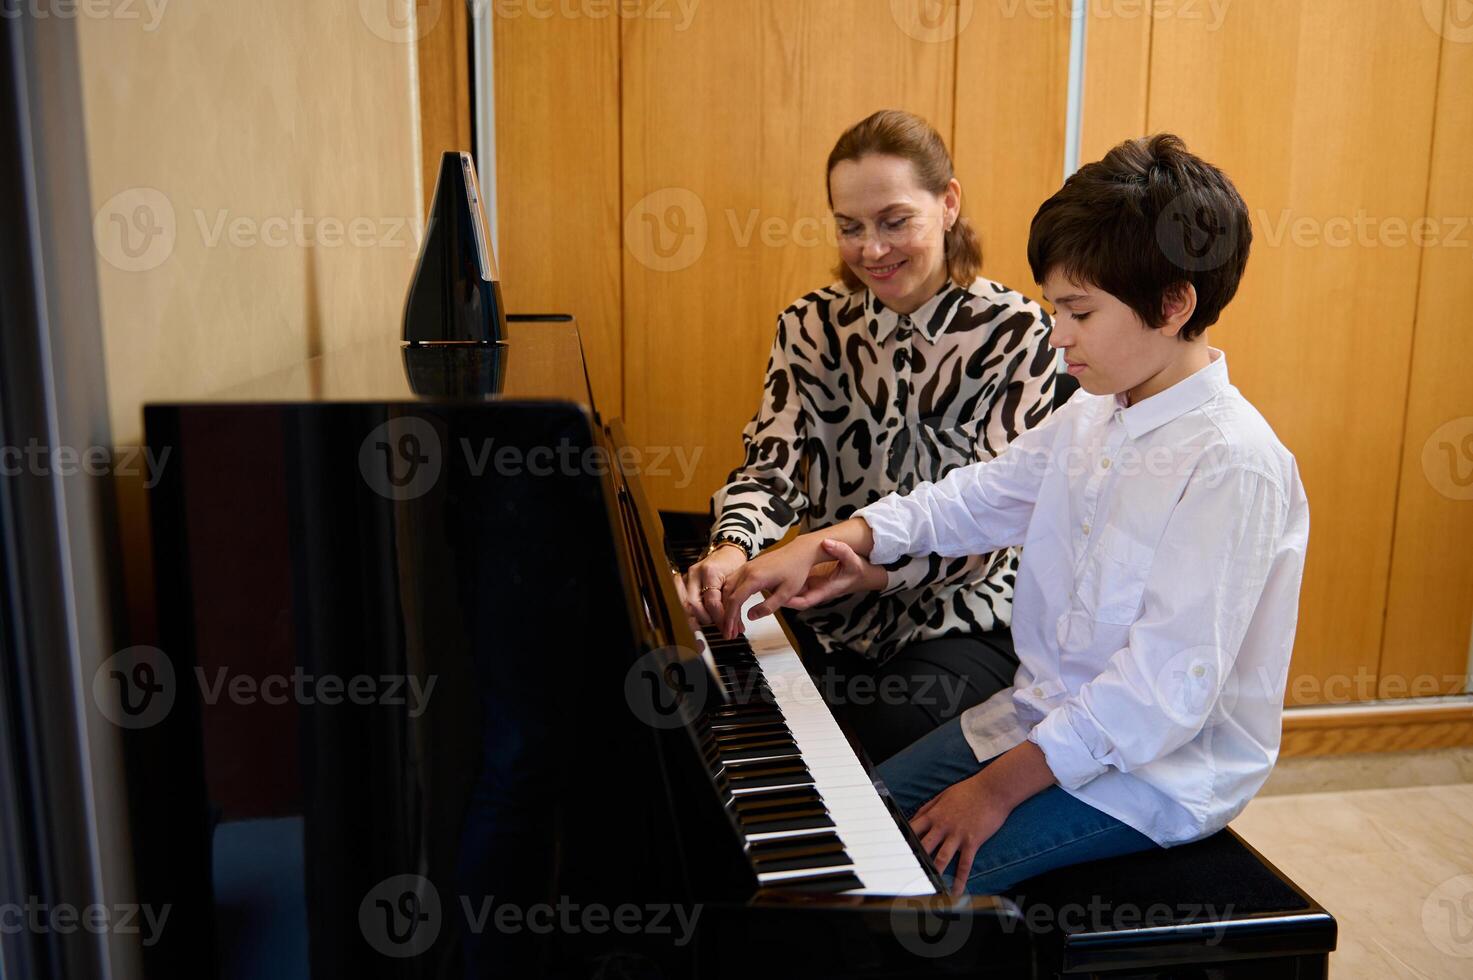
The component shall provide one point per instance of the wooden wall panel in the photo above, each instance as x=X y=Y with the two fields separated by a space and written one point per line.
x=444 y=86
x=1117 y=73
x=1012 y=84
x=1321 y=110
x=727 y=125
x=557 y=187
x=1430 y=604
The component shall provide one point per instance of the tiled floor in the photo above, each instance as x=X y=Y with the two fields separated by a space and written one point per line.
x=1393 y=865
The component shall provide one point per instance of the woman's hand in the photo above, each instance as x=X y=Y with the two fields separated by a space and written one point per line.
x=846 y=573
x=703 y=580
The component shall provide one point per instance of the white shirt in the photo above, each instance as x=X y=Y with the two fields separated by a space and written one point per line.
x=1156 y=599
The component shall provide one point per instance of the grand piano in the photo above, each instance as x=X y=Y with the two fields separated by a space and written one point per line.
x=434 y=709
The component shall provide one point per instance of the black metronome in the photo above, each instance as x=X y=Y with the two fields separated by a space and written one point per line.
x=454 y=320
x=455 y=295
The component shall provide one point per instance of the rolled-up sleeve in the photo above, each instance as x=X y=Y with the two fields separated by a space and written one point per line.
x=1204 y=585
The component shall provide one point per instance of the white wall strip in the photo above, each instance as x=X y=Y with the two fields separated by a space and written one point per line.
x=1074 y=118
x=483 y=43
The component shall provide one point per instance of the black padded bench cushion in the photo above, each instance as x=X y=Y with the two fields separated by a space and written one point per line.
x=1218 y=874
x=1216 y=901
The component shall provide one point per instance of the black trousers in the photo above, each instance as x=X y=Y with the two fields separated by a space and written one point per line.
x=926 y=684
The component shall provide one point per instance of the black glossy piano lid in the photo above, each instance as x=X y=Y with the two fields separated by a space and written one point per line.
x=542 y=359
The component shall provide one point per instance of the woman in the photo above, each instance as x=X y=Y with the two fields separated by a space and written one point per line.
x=910 y=366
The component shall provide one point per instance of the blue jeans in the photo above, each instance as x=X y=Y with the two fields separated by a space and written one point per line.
x=1047 y=831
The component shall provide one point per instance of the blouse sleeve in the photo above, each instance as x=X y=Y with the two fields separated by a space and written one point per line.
x=763 y=497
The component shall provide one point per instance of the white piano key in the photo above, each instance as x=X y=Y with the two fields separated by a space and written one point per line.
x=882 y=857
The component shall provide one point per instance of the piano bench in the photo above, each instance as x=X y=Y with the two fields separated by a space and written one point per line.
x=1212 y=909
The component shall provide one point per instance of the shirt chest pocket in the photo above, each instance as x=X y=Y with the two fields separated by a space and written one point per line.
x=1114 y=578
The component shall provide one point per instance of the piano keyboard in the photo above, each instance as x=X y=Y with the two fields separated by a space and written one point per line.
x=808 y=810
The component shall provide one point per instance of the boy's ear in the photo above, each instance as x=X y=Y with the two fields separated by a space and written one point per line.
x=1177 y=306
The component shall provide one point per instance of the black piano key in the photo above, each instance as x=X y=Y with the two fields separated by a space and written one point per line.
x=794 y=853
x=744 y=714
x=776 y=799
x=766 y=823
x=754 y=775
x=739 y=733
x=830 y=881
x=773 y=750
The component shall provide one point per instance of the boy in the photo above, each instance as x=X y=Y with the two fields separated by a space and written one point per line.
x=1163 y=528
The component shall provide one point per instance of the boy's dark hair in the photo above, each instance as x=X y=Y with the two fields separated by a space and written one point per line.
x=1147 y=219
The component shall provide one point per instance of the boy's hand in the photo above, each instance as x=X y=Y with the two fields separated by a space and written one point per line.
x=965 y=815
x=958 y=822
x=780 y=573
x=846 y=573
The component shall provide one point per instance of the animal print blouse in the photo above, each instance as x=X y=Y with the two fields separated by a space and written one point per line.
x=861 y=402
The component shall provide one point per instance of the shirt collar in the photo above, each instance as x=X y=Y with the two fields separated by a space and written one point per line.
x=1187 y=394
x=931 y=319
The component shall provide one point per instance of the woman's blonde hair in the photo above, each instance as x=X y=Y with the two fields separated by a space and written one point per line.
x=892 y=132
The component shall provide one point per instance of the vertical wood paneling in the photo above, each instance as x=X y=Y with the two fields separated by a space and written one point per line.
x=727 y=125
x=1430 y=604
x=1117 y=71
x=1012 y=80
x=444 y=87
x=1322 y=113
x=557 y=170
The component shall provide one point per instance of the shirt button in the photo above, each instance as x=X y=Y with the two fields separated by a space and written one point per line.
x=1198 y=670
x=1104 y=464
x=1038 y=692
x=1085 y=527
